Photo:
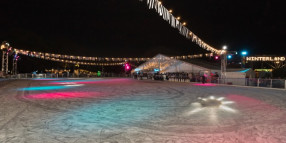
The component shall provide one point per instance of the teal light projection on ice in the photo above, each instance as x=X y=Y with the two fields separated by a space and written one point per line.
x=45 y=88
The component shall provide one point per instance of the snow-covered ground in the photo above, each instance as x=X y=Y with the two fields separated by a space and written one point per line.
x=119 y=110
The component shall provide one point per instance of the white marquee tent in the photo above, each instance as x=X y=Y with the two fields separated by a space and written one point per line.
x=165 y=64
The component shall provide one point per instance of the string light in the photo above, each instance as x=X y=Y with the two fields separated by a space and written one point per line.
x=162 y=11
x=59 y=57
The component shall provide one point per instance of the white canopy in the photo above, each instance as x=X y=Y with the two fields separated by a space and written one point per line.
x=166 y=64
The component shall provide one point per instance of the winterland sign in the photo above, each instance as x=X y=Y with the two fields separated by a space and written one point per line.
x=266 y=59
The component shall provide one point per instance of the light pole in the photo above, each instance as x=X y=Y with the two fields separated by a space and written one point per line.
x=5 y=48
x=244 y=54
x=15 y=63
x=223 y=62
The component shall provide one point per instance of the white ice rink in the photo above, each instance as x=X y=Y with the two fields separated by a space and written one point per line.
x=130 y=111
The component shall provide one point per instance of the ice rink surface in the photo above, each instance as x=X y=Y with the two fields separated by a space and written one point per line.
x=118 y=110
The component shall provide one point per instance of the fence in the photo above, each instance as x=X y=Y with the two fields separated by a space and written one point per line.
x=64 y=75
x=255 y=82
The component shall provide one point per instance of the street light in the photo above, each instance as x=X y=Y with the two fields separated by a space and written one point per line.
x=243 y=53
x=223 y=62
x=5 y=45
x=224 y=47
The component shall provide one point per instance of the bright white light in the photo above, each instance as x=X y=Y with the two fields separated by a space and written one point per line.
x=244 y=53
x=224 y=47
x=227 y=108
x=196 y=104
x=75 y=85
x=195 y=111
x=220 y=99
x=213 y=115
x=211 y=111
x=68 y=83
x=227 y=102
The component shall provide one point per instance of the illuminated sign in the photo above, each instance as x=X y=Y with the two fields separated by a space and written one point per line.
x=266 y=59
x=265 y=70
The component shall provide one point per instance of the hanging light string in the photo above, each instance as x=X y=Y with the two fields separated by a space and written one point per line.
x=49 y=56
x=54 y=58
x=79 y=62
x=175 y=23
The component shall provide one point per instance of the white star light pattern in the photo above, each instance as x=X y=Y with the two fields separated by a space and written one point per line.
x=211 y=107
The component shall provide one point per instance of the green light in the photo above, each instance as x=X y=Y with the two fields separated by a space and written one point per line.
x=98 y=73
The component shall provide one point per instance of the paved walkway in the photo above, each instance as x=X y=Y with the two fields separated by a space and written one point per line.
x=132 y=111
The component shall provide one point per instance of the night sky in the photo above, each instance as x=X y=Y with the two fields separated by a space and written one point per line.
x=127 y=28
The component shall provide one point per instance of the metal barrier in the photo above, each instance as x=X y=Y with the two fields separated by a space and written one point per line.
x=257 y=82
x=254 y=82
x=63 y=75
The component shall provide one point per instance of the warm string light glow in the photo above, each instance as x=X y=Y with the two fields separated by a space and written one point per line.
x=82 y=60
x=174 y=22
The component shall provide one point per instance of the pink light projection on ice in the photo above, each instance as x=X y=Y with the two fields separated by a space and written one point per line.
x=64 y=95
x=206 y=84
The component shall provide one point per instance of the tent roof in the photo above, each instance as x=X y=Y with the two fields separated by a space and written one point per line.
x=161 y=62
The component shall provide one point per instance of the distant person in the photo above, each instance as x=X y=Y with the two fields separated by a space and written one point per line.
x=164 y=76
x=203 y=79
x=216 y=77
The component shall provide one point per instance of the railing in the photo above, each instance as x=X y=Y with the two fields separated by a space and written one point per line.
x=64 y=75
x=255 y=82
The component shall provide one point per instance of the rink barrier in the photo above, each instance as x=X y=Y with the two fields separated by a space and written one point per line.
x=251 y=82
x=64 y=75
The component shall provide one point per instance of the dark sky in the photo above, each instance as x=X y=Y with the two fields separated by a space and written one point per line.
x=127 y=28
